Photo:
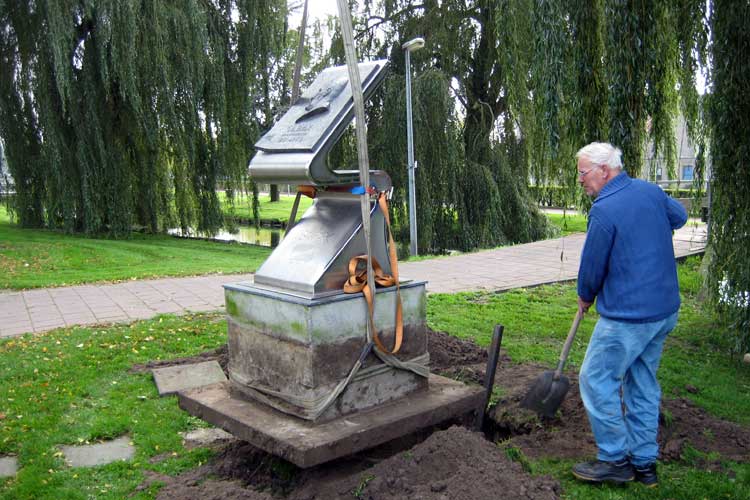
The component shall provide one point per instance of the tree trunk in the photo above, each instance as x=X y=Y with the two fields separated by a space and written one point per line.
x=484 y=102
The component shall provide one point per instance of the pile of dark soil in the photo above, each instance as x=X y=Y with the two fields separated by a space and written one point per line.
x=454 y=464
x=446 y=464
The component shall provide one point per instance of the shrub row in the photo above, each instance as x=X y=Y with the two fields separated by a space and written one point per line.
x=556 y=196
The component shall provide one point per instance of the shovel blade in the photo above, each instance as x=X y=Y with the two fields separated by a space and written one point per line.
x=546 y=394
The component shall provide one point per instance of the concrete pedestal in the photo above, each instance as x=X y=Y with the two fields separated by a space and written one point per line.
x=306 y=444
x=301 y=348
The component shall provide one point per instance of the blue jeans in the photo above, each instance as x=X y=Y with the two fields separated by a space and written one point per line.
x=619 y=387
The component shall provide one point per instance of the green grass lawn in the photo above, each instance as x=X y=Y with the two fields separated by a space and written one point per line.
x=33 y=258
x=273 y=212
x=74 y=386
x=568 y=223
x=278 y=211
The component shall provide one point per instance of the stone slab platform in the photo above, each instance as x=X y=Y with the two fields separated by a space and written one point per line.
x=307 y=444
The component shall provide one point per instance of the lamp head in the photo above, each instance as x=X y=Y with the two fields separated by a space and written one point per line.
x=413 y=44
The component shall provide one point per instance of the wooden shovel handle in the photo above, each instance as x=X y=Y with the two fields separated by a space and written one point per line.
x=568 y=344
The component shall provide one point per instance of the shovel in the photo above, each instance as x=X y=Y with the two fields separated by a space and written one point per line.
x=549 y=390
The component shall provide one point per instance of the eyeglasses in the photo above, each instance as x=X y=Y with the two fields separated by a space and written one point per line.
x=581 y=175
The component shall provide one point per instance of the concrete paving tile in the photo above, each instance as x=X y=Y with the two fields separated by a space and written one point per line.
x=99 y=454
x=14 y=316
x=14 y=300
x=16 y=322
x=54 y=323
x=107 y=308
x=100 y=301
x=7 y=314
x=41 y=307
x=58 y=320
x=38 y=300
x=160 y=303
x=8 y=466
x=20 y=317
x=172 y=379
x=151 y=296
x=193 y=304
x=88 y=297
x=69 y=301
x=79 y=320
x=165 y=307
x=75 y=311
x=44 y=315
x=110 y=316
x=141 y=316
x=15 y=331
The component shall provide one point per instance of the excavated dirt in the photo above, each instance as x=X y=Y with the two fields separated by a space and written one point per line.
x=568 y=435
x=452 y=463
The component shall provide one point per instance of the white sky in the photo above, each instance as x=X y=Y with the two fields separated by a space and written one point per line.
x=315 y=9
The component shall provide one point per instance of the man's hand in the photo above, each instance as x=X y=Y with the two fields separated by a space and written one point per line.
x=583 y=306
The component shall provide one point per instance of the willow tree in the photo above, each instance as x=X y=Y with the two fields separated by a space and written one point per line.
x=729 y=271
x=468 y=194
x=121 y=113
x=533 y=81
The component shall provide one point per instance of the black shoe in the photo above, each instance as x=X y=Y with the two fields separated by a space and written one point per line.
x=646 y=474
x=600 y=471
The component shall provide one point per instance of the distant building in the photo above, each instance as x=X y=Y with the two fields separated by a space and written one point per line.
x=655 y=169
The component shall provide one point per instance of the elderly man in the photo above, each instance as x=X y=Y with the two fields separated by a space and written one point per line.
x=628 y=266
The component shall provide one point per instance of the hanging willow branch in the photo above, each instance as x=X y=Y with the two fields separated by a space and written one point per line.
x=729 y=271
x=120 y=114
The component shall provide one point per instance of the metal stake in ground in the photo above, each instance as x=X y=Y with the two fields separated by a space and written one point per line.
x=549 y=390
x=489 y=373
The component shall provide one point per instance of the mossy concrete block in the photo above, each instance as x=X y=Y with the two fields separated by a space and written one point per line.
x=302 y=347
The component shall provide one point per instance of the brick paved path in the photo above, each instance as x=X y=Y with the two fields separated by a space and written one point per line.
x=500 y=269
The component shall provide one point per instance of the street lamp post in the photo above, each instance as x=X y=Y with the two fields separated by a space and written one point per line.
x=409 y=47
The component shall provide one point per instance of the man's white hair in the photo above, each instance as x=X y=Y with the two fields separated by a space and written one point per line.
x=602 y=153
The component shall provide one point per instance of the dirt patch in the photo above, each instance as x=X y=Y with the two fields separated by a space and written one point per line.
x=690 y=425
x=453 y=463
x=682 y=423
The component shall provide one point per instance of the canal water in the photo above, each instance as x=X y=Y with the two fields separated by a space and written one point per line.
x=266 y=237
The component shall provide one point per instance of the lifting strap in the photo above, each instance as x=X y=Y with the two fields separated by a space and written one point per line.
x=357 y=282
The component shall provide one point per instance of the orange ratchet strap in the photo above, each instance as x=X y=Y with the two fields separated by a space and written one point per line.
x=357 y=282
x=308 y=191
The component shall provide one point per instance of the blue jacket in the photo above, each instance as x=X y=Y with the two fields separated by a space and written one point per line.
x=628 y=261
